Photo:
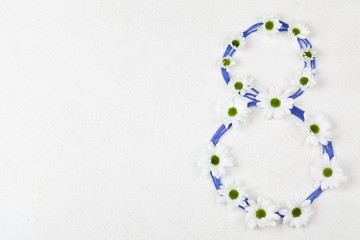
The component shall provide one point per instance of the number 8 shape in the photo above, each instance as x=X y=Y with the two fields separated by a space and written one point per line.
x=214 y=158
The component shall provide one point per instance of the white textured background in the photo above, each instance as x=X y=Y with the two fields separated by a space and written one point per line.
x=105 y=104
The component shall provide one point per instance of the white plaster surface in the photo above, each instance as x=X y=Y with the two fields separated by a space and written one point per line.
x=104 y=106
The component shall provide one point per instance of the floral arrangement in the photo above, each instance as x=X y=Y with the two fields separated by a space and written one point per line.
x=234 y=111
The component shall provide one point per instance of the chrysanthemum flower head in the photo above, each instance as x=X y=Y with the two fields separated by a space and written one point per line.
x=226 y=62
x=271 y=24
x=274 y=103
x=240 y=84
x=233 y=194
x=233 y=111
x=316 y=127
x=298 y=30
x=215 y=158
x=237 y=41
x=308 y=54
x=261 y=213
x=297 y=213
x=304 y=79
x=327 y=173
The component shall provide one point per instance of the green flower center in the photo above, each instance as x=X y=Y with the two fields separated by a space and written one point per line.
x=233 y=194
x=296 y=31
x=296 y=212
x=238 y=85
x=232 y=111
x=307 y=54
x=327 y=172
x=260 y=213
x=215 y=160
x=275 y=103
x=315 y=128
x=235 y=43
x=226 y=62
x=303 y=81
x=269 y=25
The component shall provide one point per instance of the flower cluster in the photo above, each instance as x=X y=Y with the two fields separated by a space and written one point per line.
x=263 y=212
x=234 y=111
x=270 y=25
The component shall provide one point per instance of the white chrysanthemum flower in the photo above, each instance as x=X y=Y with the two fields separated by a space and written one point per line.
x=297 y=214
x=261 y=213
x=237 y=41
x=233 y=111
x=308 y=54
x=304 y=79
x=226 y=62
x=298 y=30
x=327 y=173
x=316 y=126
x=274 y=103
x=215 y=159
x=240 y=84
x=271 y=24
x=232 y=194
